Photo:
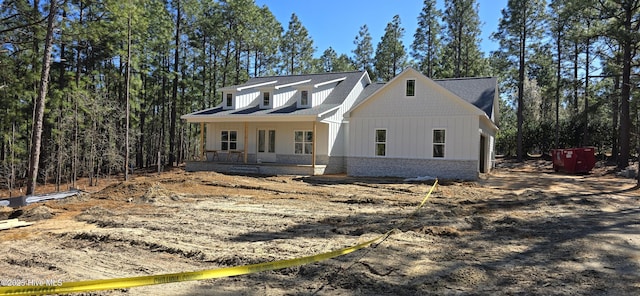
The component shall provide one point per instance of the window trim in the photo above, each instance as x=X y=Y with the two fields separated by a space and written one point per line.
x=228 y=140
x=308 y=104
x=269 y=99
x=406 y=88
x=304 y=142
x=376 y=142
x=443 y=144
x=271 y=147
x=228 y=101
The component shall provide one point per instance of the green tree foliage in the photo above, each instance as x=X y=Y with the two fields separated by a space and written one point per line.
x=331 y=62
x=585 y=67
x=363 y=53
x=462 y=55
x=296 y=48
x=519 y=33
x=391 y=58
x=426 y=49
x=622 y=29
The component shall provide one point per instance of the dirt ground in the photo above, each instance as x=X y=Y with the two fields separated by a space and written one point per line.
x=520 y=230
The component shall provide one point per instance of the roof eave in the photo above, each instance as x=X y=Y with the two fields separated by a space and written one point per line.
x=250 y=118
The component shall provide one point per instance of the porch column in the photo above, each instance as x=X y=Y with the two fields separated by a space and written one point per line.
x=313 y=149
x=246 y=143
x=202 y=143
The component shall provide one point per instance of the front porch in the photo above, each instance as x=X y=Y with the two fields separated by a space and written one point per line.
x=255 y=168
x=266 y=148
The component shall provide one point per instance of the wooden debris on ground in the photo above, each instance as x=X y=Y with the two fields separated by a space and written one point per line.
x=13 y=223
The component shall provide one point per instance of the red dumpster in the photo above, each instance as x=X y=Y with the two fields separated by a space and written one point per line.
x=574 y=160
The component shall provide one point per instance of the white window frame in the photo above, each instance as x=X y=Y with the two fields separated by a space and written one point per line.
x=378 y=142
x=434 y=143
x=308 y=104
x=304 y=142
x=406 y=88
x=270 y=102
x=268 y=132
x=228 y=98
x=228 y=140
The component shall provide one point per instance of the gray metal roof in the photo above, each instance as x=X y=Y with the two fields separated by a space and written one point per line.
x=291 y=109
x=335 y=98
x=480 y=91
x=368 y=91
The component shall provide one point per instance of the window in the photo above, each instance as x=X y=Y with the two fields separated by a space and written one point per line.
x=229 y=100
x=381 y=142
x=304 y=98
x=262 y=141
x=410 y=90
x=229 y=140
x=303 y=142
x=438 y=143
x=272 y=141
x=266 y=100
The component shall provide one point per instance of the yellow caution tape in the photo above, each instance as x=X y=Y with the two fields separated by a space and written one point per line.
x=129 y=282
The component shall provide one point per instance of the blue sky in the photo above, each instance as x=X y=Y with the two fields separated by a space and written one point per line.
x=336 y=23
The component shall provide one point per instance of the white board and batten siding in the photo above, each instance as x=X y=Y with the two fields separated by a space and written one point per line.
x=410 y=122
x=338 y=130
x=244 y=99
x=318 y=95
x=283 y=97
x=412 y=138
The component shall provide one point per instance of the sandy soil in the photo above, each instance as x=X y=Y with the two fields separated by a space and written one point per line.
x=519 y=230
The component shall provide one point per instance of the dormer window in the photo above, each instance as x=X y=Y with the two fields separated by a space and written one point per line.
x=410 y=89
x=266 y=99
x=304 y=98
x=229 y=101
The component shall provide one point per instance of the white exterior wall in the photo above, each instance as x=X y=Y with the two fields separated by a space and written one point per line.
x=410 y=122
x=428 y=101
x=283 y=97
x=412 y=137
x=284 y=135
x=244 y=99
x=490 y=133
x=338 y=130
x=318 y=95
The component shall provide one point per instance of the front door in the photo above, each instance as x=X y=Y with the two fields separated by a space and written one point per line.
x=266 y=145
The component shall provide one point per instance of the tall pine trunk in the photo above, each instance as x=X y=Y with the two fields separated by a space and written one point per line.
x=40 y=103
x=558 y=81
x=585 y=134
x=521 y=72
x=625 y=92
x=127 y=97
x=174 y=95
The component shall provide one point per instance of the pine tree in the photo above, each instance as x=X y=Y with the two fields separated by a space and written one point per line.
x=390 y=56
x=296 y=48
x=623 y=27
x=364 y=50
x=463 y=57
x=267 y=38
x=519 y=29
x=425 y=48
x=328 y=58
x=40 y=102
